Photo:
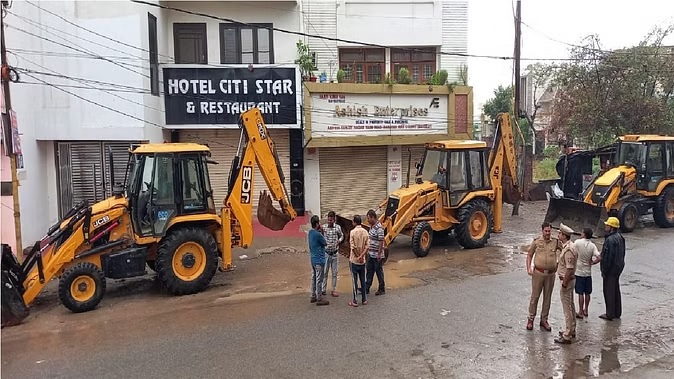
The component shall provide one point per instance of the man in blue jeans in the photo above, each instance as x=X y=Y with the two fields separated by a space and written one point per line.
x=358 y=241
x=317 y=245
x=375 y=254
x=333 y=236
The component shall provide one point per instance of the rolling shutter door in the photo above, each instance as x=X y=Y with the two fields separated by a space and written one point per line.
x=84 y=171
x=120 y=155
x=223 y=144
x=353 y=179
x=417 y=155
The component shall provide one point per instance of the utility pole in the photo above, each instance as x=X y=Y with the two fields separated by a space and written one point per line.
x=518 y=36
x=7 y=130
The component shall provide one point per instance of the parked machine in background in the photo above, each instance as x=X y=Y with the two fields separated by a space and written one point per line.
x=164 y=216
x=459 y=188
x=640 y=180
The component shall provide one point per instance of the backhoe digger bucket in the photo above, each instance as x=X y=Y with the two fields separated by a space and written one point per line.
x=577 y=215
x=268 y=215
x=14 y=309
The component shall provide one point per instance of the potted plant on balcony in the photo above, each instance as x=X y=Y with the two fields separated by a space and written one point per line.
x=306 y=61
x=340 y=75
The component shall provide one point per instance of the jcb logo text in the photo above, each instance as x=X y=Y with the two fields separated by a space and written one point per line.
x=246 y=183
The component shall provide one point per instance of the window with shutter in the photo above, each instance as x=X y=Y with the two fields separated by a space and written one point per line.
x=189 y=43
x=244 y=44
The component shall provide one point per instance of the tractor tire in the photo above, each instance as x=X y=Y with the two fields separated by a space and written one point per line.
x=628 y=217
x=422 y=238
x=151 y=265
x=81 y=287
x=187 y=259
x=475 y=223
x=663 y=212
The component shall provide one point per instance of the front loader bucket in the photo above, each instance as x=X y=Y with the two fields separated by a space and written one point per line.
x=14 y=309
x=576 y=215
x=270 y=217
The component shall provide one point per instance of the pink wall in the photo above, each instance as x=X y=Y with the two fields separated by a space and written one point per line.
x=7 y=234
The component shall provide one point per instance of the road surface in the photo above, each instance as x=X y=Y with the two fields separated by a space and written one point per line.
x=455 y=313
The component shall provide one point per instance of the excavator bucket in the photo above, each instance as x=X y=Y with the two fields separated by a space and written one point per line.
x=577 y=215
x=14 y=309
x=268 y=215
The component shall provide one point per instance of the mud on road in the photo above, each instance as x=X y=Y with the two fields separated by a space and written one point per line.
x=267 y=269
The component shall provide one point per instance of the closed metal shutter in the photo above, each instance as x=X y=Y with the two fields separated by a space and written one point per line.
x=223 y=144
x=120 y=155
x=84 y=171
x=353 y=179
x=417 y=155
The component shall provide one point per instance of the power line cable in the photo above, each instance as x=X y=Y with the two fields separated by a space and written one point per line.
x=94 y=32
x=76 y=49
x=93 y=102
x=59 y=32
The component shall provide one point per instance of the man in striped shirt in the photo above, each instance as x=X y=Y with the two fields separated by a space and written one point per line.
x=333 y=236
x=375 y=254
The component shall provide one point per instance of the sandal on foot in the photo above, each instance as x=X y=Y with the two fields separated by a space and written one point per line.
x=352 y=304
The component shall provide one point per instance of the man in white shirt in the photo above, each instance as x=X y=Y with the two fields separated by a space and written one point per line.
x=588 y=255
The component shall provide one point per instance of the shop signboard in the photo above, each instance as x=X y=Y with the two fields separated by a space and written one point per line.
x=197 y=96
x=352 y=115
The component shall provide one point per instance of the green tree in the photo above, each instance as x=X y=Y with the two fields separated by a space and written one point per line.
x=500 y=103
x=603 y=94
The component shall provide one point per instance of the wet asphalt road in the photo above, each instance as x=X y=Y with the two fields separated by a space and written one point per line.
x=473 y=327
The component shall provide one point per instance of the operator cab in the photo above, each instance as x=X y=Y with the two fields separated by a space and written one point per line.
x=168 y=180
x=651 y=156
x=457 y=167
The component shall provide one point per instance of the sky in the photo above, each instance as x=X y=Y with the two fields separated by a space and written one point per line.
x=491 y=31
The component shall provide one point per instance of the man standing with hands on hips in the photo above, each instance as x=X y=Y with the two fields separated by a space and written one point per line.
x=543 y=252
x=566 y=270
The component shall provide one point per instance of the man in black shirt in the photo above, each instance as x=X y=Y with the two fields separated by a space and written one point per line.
x=612 y=265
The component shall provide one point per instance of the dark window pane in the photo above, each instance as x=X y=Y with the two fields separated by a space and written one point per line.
x=229 y=46
x=352 y=56
x=374 y=73
x=375 y=56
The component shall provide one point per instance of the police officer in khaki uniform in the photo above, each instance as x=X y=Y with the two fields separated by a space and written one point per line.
x=543 y=251
x=566 y=271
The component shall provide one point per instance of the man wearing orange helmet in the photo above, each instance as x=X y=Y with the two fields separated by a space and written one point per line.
x=612 y=265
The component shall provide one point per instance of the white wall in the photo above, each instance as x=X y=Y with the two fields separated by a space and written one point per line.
x=392 y=23
x=282 y=15
x=46 y=114
x=394 y=170
x=312 y=182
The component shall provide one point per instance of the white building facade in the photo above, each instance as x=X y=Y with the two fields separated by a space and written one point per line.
x=100 y=76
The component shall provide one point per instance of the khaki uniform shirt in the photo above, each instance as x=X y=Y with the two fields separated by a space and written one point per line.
x=567 y=259
x=546 y=253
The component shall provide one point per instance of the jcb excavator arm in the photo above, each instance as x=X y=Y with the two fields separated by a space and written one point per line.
x=256 y=147
x=503 y=168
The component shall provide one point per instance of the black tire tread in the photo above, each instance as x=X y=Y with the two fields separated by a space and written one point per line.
x=416 y=239
x=621 y=217
x=79 y=269
x=659 y=209
x=462 y=231
x=168 y=246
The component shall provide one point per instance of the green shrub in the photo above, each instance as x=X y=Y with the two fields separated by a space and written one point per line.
x=545 y=169
x=404 y=76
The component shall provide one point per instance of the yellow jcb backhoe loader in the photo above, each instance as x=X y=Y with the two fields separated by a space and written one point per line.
x=460 y=187
x=165 y=216
x=641 y=179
